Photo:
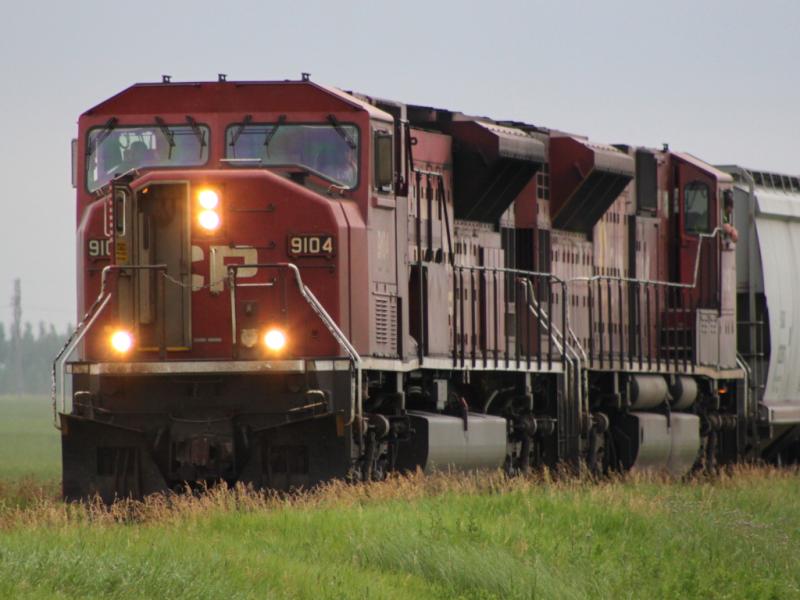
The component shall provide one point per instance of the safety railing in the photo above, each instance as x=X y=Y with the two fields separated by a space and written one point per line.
x=570 y=347
x=356 y=408
x=642 y=322
x=492 y=321
x=104 y=297
x=500 y=315
x=58 y=371
x=633 y=323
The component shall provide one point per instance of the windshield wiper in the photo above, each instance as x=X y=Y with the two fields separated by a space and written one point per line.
x=167 y=134
x=239 y=130
x=271 y=132
x=341 y=131
x=198 y=133
x=101 y=137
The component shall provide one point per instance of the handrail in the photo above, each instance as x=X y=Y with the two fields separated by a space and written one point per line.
x=564 y=344
x=672 y=284
x=667 y=287
x=538 y=311
x=57 y=387
x=319 y=309
x=520 y=274
x=75 y=338
x=59 y=364
x=748 y=392
x=524 y=273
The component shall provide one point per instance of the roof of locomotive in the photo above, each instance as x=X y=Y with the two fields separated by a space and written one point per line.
x=301 y=95
x=231 y=96
x=701 y=164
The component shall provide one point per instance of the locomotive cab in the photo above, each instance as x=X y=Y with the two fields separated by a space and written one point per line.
x=695 y=216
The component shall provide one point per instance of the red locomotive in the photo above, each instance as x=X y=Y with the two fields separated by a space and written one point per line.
x=284 y=283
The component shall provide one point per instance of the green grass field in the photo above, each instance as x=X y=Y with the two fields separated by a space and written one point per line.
x=481 y=536
x=29 y=443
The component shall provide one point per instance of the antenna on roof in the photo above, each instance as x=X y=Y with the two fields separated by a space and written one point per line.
x=222 y=77
x=305 y=76
x=166 y=78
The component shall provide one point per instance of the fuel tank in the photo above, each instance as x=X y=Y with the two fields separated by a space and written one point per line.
x=444 y=442
x=652 y=442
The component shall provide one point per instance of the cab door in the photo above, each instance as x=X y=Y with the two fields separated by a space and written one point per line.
x=697 y=214
x=161 y=298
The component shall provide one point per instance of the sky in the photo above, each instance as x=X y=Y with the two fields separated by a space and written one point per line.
x=718 y=79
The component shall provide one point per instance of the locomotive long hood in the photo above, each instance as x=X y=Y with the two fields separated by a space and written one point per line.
x=493 y=164
x=585 y=180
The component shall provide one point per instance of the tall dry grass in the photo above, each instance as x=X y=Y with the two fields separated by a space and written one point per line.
x=30 y=503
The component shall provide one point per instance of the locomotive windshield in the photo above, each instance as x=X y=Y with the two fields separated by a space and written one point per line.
x=112 y=151
x=329 y=150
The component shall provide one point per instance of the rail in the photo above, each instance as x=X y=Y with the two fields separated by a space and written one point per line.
x=659 y=316
x=494 y=292
x=105 y=295
x=749 y=406
x=58 y=371
x=567 y=345
x=485 y=295
x=356 y=408
x=521 y=318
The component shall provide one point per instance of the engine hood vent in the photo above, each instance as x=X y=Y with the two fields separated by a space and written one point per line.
x=492 y=165
x=585 y=180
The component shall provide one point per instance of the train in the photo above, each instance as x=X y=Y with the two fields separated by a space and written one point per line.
x=281 y=283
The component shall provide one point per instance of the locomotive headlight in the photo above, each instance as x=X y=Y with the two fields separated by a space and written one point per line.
x=208 y=216
x=121 y=341
x=275 y=340
x=208 y=199
x=209 y=220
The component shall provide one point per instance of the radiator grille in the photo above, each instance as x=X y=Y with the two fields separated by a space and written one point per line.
x=385 y=324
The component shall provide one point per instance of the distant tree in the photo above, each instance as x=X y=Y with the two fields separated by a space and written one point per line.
x=38 y=352
x=3 y=344
x=5 y=353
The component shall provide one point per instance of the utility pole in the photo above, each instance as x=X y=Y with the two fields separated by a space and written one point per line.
x=16 y=335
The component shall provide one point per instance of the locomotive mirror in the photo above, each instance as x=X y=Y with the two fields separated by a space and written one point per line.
x=74 y=153
x=120 y=199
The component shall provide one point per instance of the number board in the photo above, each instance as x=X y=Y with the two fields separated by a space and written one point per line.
x=99 y=248
x=311 y=245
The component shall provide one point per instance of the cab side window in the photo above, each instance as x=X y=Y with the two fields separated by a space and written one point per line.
x=697 y=207
x=384 y=163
